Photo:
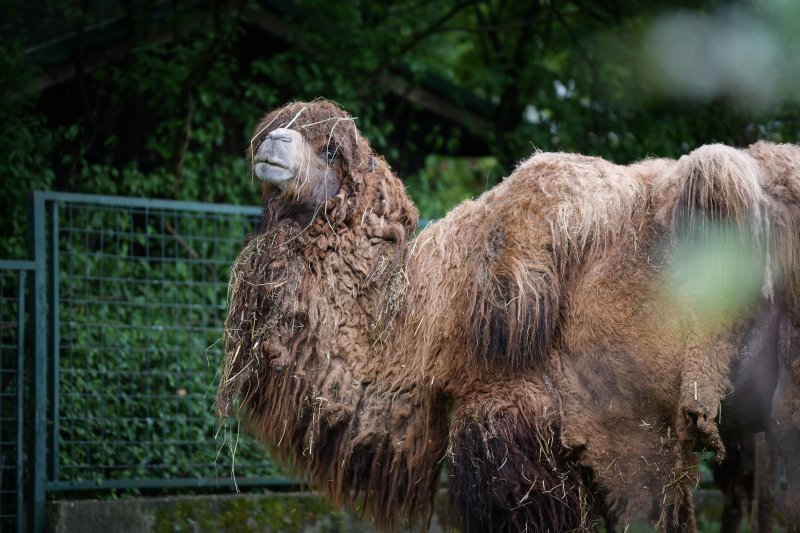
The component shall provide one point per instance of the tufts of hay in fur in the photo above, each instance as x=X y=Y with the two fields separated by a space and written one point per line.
x=264 y=316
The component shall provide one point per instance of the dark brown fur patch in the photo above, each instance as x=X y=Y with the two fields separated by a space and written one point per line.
x=509 y=471
x=515 y=307
x=512 y=329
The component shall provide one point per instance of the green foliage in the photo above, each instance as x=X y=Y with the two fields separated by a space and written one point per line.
x=446 y=181
x=170 y=117
x=452 y=93
x=27 y=144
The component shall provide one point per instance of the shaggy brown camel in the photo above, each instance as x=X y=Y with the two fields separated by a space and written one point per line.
x=548 y=337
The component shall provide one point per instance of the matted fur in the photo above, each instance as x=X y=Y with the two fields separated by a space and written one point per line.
x=303 y=295
x=539 y=314
x=509 y=471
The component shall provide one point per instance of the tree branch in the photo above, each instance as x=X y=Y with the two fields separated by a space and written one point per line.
x=578 y=46
x=420 y=36
x=487 y=28
x=197 y=73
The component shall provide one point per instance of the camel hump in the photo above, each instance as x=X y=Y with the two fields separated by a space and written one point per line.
x=780 y=164
x=717 y=186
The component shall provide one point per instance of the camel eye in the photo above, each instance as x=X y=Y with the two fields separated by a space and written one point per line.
x=330 y=154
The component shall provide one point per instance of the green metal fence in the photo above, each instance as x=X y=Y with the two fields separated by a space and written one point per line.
x=127 y=305
x=14 y=283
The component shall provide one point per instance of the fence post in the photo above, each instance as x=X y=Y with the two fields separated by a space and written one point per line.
x=21 y=336
x=37 y=377
x=53 y=345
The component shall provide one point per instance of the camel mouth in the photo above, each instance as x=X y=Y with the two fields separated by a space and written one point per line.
x=270 y=162
x=272 y=171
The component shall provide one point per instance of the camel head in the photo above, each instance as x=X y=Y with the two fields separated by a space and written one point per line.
x=314 y=164
x=303 y=153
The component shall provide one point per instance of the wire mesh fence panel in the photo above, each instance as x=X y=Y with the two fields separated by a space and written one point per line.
x=12 y=331
x=141 y=303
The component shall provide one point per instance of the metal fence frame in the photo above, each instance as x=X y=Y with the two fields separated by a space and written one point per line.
x=22 y=269
x=39 y=448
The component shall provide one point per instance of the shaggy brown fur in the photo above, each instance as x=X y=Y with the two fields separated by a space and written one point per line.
x=509 y=470
x=307 y=295
x=542 y=315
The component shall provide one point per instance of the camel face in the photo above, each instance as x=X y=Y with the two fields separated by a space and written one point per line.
x=280 y=156
x=307 y=172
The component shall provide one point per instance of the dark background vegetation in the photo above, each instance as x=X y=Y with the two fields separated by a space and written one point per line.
x=156 y=98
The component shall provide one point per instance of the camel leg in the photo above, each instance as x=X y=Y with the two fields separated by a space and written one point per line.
x=509 y=471
x=734 y=477
x=786 y=418
x=765 y=483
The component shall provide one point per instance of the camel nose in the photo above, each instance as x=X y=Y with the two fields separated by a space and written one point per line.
x=280 y=134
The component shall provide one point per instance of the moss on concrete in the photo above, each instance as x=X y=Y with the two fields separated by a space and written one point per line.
x=267 y=513
x=291 y=513
x=242 y=513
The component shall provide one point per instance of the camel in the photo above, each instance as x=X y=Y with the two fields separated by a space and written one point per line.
x=546 y=338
